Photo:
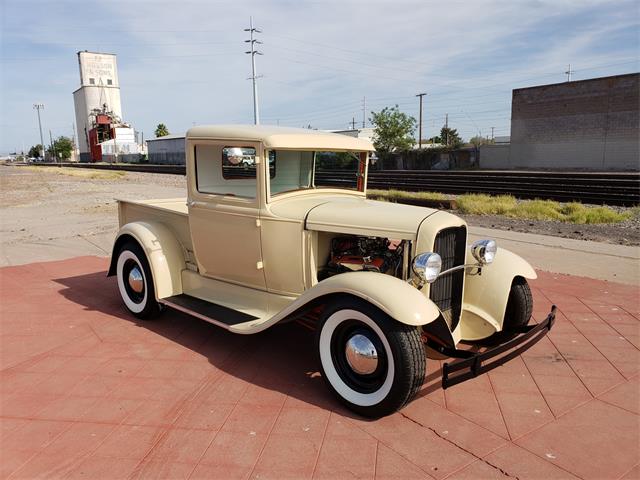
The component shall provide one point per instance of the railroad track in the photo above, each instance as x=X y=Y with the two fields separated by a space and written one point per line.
x=621 y=188
x=596 y=188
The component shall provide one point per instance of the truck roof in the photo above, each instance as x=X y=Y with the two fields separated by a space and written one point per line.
x=281 y=137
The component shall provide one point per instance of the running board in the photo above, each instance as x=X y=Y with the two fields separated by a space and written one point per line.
x=210 y=312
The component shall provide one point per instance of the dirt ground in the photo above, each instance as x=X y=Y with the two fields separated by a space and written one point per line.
x=40 y=205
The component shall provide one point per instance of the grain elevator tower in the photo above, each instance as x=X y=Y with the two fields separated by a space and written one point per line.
x=97 y=102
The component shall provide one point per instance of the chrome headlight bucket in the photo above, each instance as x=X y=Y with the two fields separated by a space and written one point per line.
x=427 y=266
x=484 y=251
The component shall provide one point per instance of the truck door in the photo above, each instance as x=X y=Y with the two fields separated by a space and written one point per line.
x=224 y=211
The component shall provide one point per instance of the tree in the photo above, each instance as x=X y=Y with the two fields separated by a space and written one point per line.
x=161 y=130
x=393 y=130
x=478 y=140
x=34 y=152
x=62 y=148
x=450 y=137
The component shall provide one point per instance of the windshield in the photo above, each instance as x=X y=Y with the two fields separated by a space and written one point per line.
x=304 y=170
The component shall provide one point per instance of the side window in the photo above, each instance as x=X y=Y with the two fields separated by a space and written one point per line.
x=226 y=170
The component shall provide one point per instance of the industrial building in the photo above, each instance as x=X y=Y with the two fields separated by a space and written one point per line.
x=167 y=150
x=99 y=112
x=586 y=125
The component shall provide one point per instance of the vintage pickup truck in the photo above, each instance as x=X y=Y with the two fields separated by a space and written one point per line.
x=259 y=240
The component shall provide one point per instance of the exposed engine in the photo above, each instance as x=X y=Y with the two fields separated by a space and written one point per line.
x=374 y=254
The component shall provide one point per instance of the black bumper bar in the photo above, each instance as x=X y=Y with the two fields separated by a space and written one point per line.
x=472 y=365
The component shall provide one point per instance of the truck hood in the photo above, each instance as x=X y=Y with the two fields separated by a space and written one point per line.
x=359 y=216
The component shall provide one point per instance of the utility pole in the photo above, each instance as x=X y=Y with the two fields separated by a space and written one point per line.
x=38 y=107
x=492 y=132
x=568 y=73
x=353 y=123
x=53 y=147
x=446 y=131
x=364 y=111
x=420 y=95
x=253 y=52
x=73 y=142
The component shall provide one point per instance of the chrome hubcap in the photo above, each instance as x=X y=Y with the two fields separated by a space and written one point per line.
x=136 y=282
x=361 y=355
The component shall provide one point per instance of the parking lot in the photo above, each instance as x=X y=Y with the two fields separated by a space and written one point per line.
x=88 y=391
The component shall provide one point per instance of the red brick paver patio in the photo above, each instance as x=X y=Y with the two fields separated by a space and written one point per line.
x=87 y=391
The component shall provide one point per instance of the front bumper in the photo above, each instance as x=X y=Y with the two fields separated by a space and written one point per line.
x=471 y=364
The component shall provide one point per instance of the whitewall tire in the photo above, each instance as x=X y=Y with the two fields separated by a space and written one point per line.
x=135 y=281
x=373 y=364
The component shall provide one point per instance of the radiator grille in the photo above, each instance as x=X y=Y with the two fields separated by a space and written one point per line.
x=446 y=292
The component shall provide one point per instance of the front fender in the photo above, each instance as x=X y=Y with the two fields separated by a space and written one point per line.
x=486 y=295
x=164 y=254
x=401 y=301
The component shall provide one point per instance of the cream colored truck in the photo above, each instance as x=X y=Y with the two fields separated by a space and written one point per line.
x=259 y=241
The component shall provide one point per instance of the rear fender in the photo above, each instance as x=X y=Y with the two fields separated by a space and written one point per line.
x=486 y=295
x=164 y=254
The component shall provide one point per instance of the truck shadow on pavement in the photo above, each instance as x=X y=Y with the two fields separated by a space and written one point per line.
x=277 y=363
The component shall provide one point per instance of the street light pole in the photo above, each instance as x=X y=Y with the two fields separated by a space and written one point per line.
x=38 y=107
x=420 y=95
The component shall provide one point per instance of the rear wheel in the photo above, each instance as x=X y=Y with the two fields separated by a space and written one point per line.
x=373 y=364
x=517 y=314
x=135 y=282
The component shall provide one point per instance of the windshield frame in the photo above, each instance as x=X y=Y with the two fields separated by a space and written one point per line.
x=363 y=167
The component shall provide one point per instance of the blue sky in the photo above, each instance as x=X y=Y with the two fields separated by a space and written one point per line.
x=183 y=62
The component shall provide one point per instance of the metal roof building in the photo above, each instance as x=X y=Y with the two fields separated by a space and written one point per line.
x=167 y=150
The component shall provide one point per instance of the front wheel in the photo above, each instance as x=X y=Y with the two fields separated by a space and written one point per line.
x=517 y=314
x=135 y=282
x=373 y=364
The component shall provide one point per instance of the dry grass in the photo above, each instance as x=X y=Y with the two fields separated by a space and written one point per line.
x=479 y=204
x=87 y=173
x=507 y=205
x=396 y=195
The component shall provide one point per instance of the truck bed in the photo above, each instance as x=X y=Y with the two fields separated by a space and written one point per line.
x=172 y=212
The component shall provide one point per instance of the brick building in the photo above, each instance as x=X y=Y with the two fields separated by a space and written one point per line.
x=588 y=124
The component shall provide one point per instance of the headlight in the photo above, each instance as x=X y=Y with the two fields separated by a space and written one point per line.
x=426 y=266
x=484 y=251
